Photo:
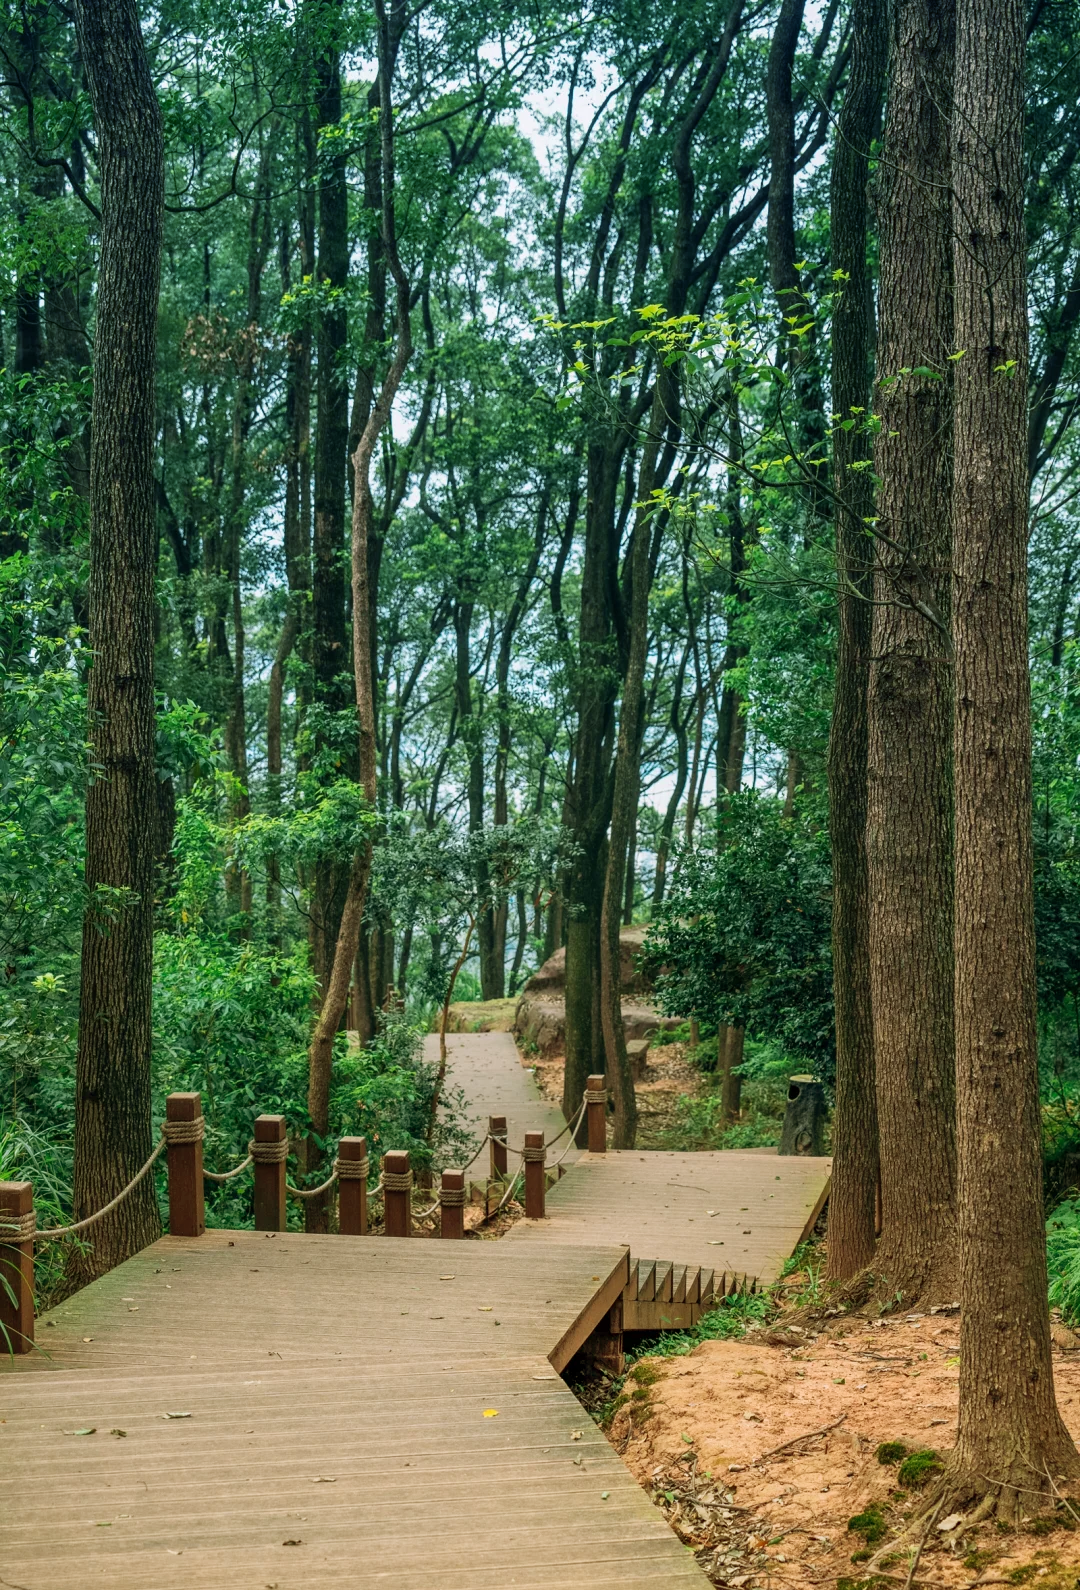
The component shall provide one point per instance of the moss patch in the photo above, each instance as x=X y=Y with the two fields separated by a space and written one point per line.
x=918 y=1468
x=870 y=1524
x=891 y=1452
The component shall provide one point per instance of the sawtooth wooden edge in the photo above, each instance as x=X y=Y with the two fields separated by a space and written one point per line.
x=592 y=1315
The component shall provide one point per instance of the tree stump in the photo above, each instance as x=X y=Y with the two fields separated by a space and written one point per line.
x=804 y=1118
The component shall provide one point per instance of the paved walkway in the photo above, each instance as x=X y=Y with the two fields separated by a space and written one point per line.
x=487 y=1068
x=347 y=1412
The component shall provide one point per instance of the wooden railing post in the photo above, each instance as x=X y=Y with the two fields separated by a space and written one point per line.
x=397 y=1194
x=352 y=1169
x=452 y=1204
x=270 y=1150
x=187 y=1216
x=534 y=1156
x=16 y=1268
x=596 y=1110
x=497 y=1129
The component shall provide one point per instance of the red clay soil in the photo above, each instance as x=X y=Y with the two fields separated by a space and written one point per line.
x=719 y=1411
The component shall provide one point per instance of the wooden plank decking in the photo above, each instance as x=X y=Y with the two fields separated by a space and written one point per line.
x=337 y=1389
x=729 y=1218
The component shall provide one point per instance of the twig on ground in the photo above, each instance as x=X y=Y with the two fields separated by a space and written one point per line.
x=934 y=1516
x=811 y=1435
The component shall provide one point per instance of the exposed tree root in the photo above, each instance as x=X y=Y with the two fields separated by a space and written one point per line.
x=1022 y=1491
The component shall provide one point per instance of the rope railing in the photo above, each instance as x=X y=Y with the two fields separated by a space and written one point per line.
x=183 y=1132
x=24 y=1227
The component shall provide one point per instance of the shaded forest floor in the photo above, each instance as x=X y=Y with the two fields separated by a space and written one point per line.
x=669 y=1077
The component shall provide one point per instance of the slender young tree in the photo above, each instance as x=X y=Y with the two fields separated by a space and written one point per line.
x=1012 y=1443
x=855 y=1156
x=909 y=788
x=112 y=1124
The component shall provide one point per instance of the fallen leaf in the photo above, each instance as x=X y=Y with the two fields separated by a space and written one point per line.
x=176 y=1415
x=491 y=1413
x=325 y=1479
x=485 y=1308
x=118 y=1432
x=604 y=1495
x=292 y=1542
x=950 y=1523
x=446 y=1278
x=88 y=1338
x=575 y=1435
x=90 y=1430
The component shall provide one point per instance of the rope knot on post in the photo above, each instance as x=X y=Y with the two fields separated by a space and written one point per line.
x=453 y=1197
x=184 y=1131
x=534 y=1153
x=398 y=1181
x=18 y=1228
x=272 y=1153
x=596 y=1095
x=352 y=1169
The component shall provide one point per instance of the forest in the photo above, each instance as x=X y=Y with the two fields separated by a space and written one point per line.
x=477 y=478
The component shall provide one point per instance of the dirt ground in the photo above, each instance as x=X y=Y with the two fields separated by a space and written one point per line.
x=701 y=1430
x=668 y=1075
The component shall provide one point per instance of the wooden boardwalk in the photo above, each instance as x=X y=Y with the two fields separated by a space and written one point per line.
x=696 y=1224
x=347 y=1412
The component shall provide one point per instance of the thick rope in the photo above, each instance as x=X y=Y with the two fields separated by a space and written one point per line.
x=352 y=1169
x=79 y=1225
x=313 y=1192
x=534 y=1153
x=185 y=1131
x=227 y=1175
x=501 y=1141
x=572 y=1128
x=397 y=1180
x=453 y=1197
x=596 y=1095
x=422 y=1214
x=505 y=1199
x=18 y=1228
x=484 y=1141
x=275 y=1153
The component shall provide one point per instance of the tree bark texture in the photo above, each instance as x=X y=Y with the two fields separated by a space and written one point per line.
x=855 y=1134
x=909 y=701
x=113 y=1127
x=1011 y=1436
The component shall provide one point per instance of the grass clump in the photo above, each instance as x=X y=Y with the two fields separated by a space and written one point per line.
x=890 y=1452
x=918 y=1468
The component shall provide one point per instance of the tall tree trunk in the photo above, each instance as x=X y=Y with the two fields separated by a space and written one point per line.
x=624 y=806
x=588 y=802
x=1011 y=1437
x=855 y=1152
x=909 y=699
x=329 y=649
x=112 y=1092
x=321 y=1049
